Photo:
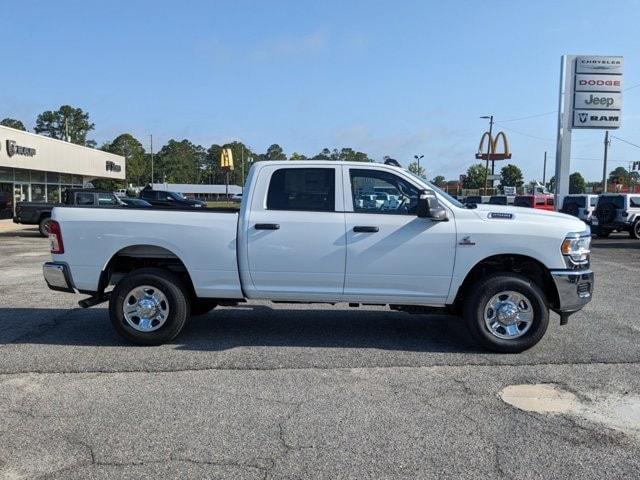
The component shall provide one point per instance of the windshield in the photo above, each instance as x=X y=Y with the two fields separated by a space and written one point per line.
x=430 y=185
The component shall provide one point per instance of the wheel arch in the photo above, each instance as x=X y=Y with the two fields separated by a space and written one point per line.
x=525 y=265
x=134 y=257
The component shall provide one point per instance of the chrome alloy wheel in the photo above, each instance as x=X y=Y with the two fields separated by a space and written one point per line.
x=145 y=308
x=508 y=315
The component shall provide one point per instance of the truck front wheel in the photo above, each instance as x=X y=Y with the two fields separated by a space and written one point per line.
x=149 y=306
x=506 y=313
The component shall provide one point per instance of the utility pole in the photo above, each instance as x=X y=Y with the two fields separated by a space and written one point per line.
x=486 y=168
x=151 y=161
x=607 y=142
x=544 y=171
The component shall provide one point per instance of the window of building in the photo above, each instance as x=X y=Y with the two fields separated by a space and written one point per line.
x=376 y=191
x=22 y=175
x=38 y=193
x=53 y=177
x=307 y=189
x=6 y=175
x=37 y=176
x=65 y=178
x=76 y=181
x=53 y=193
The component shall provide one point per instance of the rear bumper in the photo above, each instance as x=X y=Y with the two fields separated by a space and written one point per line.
x=58 y=277
x=575 y=288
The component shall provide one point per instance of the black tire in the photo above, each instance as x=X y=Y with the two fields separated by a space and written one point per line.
x=43 y=226
x=482 y=292
x=170 y=286
x=200 y=306
x=635 y=230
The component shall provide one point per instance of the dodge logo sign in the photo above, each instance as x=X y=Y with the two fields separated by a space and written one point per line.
x=13 y=149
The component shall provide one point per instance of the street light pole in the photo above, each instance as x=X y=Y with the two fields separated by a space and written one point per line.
x=486 y=168
x=418 y=158
x=607 y=142
x=151 y=161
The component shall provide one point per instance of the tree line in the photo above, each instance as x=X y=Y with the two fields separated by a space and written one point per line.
x=181 y=161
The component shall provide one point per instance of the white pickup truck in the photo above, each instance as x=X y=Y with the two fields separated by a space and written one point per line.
x=301 y=235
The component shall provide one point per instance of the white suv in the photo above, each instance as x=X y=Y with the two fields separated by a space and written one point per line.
x=617 y=211
x=580 y=205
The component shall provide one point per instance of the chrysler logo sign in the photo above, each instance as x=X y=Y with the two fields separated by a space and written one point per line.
x=14 y=149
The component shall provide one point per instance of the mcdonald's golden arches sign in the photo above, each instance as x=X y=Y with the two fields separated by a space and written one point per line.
x=493 y=147
x=226 y=159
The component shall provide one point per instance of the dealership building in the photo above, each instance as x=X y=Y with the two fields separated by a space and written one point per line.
x=37 y=168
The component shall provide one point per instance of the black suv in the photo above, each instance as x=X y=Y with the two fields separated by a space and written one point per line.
x=617 y=211
x=161 y=198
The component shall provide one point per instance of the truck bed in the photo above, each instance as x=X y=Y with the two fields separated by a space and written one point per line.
x=92 y=236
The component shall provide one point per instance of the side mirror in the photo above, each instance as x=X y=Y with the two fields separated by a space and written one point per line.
x=429 y=207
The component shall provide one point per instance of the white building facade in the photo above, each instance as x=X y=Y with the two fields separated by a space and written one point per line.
x=37 y=168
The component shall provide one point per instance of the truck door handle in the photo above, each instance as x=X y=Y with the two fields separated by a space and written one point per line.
x=361 y=228
x=267 y=226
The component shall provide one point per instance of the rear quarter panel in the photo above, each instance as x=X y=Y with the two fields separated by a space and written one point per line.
x=204 y=241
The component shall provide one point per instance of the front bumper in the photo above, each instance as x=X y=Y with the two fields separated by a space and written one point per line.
x=58 y=277
x=574 y=289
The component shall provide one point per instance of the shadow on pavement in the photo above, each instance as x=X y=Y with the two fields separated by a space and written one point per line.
x=252 y=325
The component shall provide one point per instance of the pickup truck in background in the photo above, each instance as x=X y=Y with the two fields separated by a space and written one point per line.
x=302 y=235
x=39 y=213
x=162 y=198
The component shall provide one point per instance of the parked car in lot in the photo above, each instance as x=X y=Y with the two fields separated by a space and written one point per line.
x=302 y=236
x=161 y=198
x=617 y=211
x=473 y=199
x=134 y=202
x=540 y=202
x=39 y=213
x=501 y=200
x=581 y=206
x=236 y=198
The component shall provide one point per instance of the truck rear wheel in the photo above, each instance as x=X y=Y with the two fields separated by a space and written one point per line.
x=149 y=306
x=506 y=313
x=635 y=230
x=43 y=226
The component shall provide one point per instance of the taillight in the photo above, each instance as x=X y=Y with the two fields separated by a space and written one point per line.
x=55 y=237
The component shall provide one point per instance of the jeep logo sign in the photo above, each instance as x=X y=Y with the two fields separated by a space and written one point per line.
x=594 y=100
x=14 y=149
x=112 y=166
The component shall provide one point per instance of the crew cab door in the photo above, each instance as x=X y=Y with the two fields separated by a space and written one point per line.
x=393 y=256
x=295 y=234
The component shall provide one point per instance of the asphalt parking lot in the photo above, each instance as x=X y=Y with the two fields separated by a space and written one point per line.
x=284 y=391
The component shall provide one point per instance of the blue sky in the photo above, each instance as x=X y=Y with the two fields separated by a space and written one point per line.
x=388 y=78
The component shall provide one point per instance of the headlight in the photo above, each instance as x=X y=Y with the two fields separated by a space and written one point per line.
x=577 y=247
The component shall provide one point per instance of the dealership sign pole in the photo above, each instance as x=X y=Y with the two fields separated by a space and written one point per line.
x=590 y=97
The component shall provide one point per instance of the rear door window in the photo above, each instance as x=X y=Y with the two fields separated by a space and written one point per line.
x=304 y=189
x=634 y=202
x=106 y=199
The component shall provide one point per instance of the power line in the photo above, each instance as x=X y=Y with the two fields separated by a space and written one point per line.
x=625 y=141
x=530 y=116
x=525 y=134
x=631 y=87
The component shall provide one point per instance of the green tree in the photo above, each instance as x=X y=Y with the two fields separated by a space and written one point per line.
x=66 y=120
x=417 y=170
x=297 y=156
x=577 y=184
x=138 y=163
x=275 y=152
x=13 y=123
x=180 y=162
x=438 y=180
x=511 y=176
x=476 y=175
x=325 y=154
